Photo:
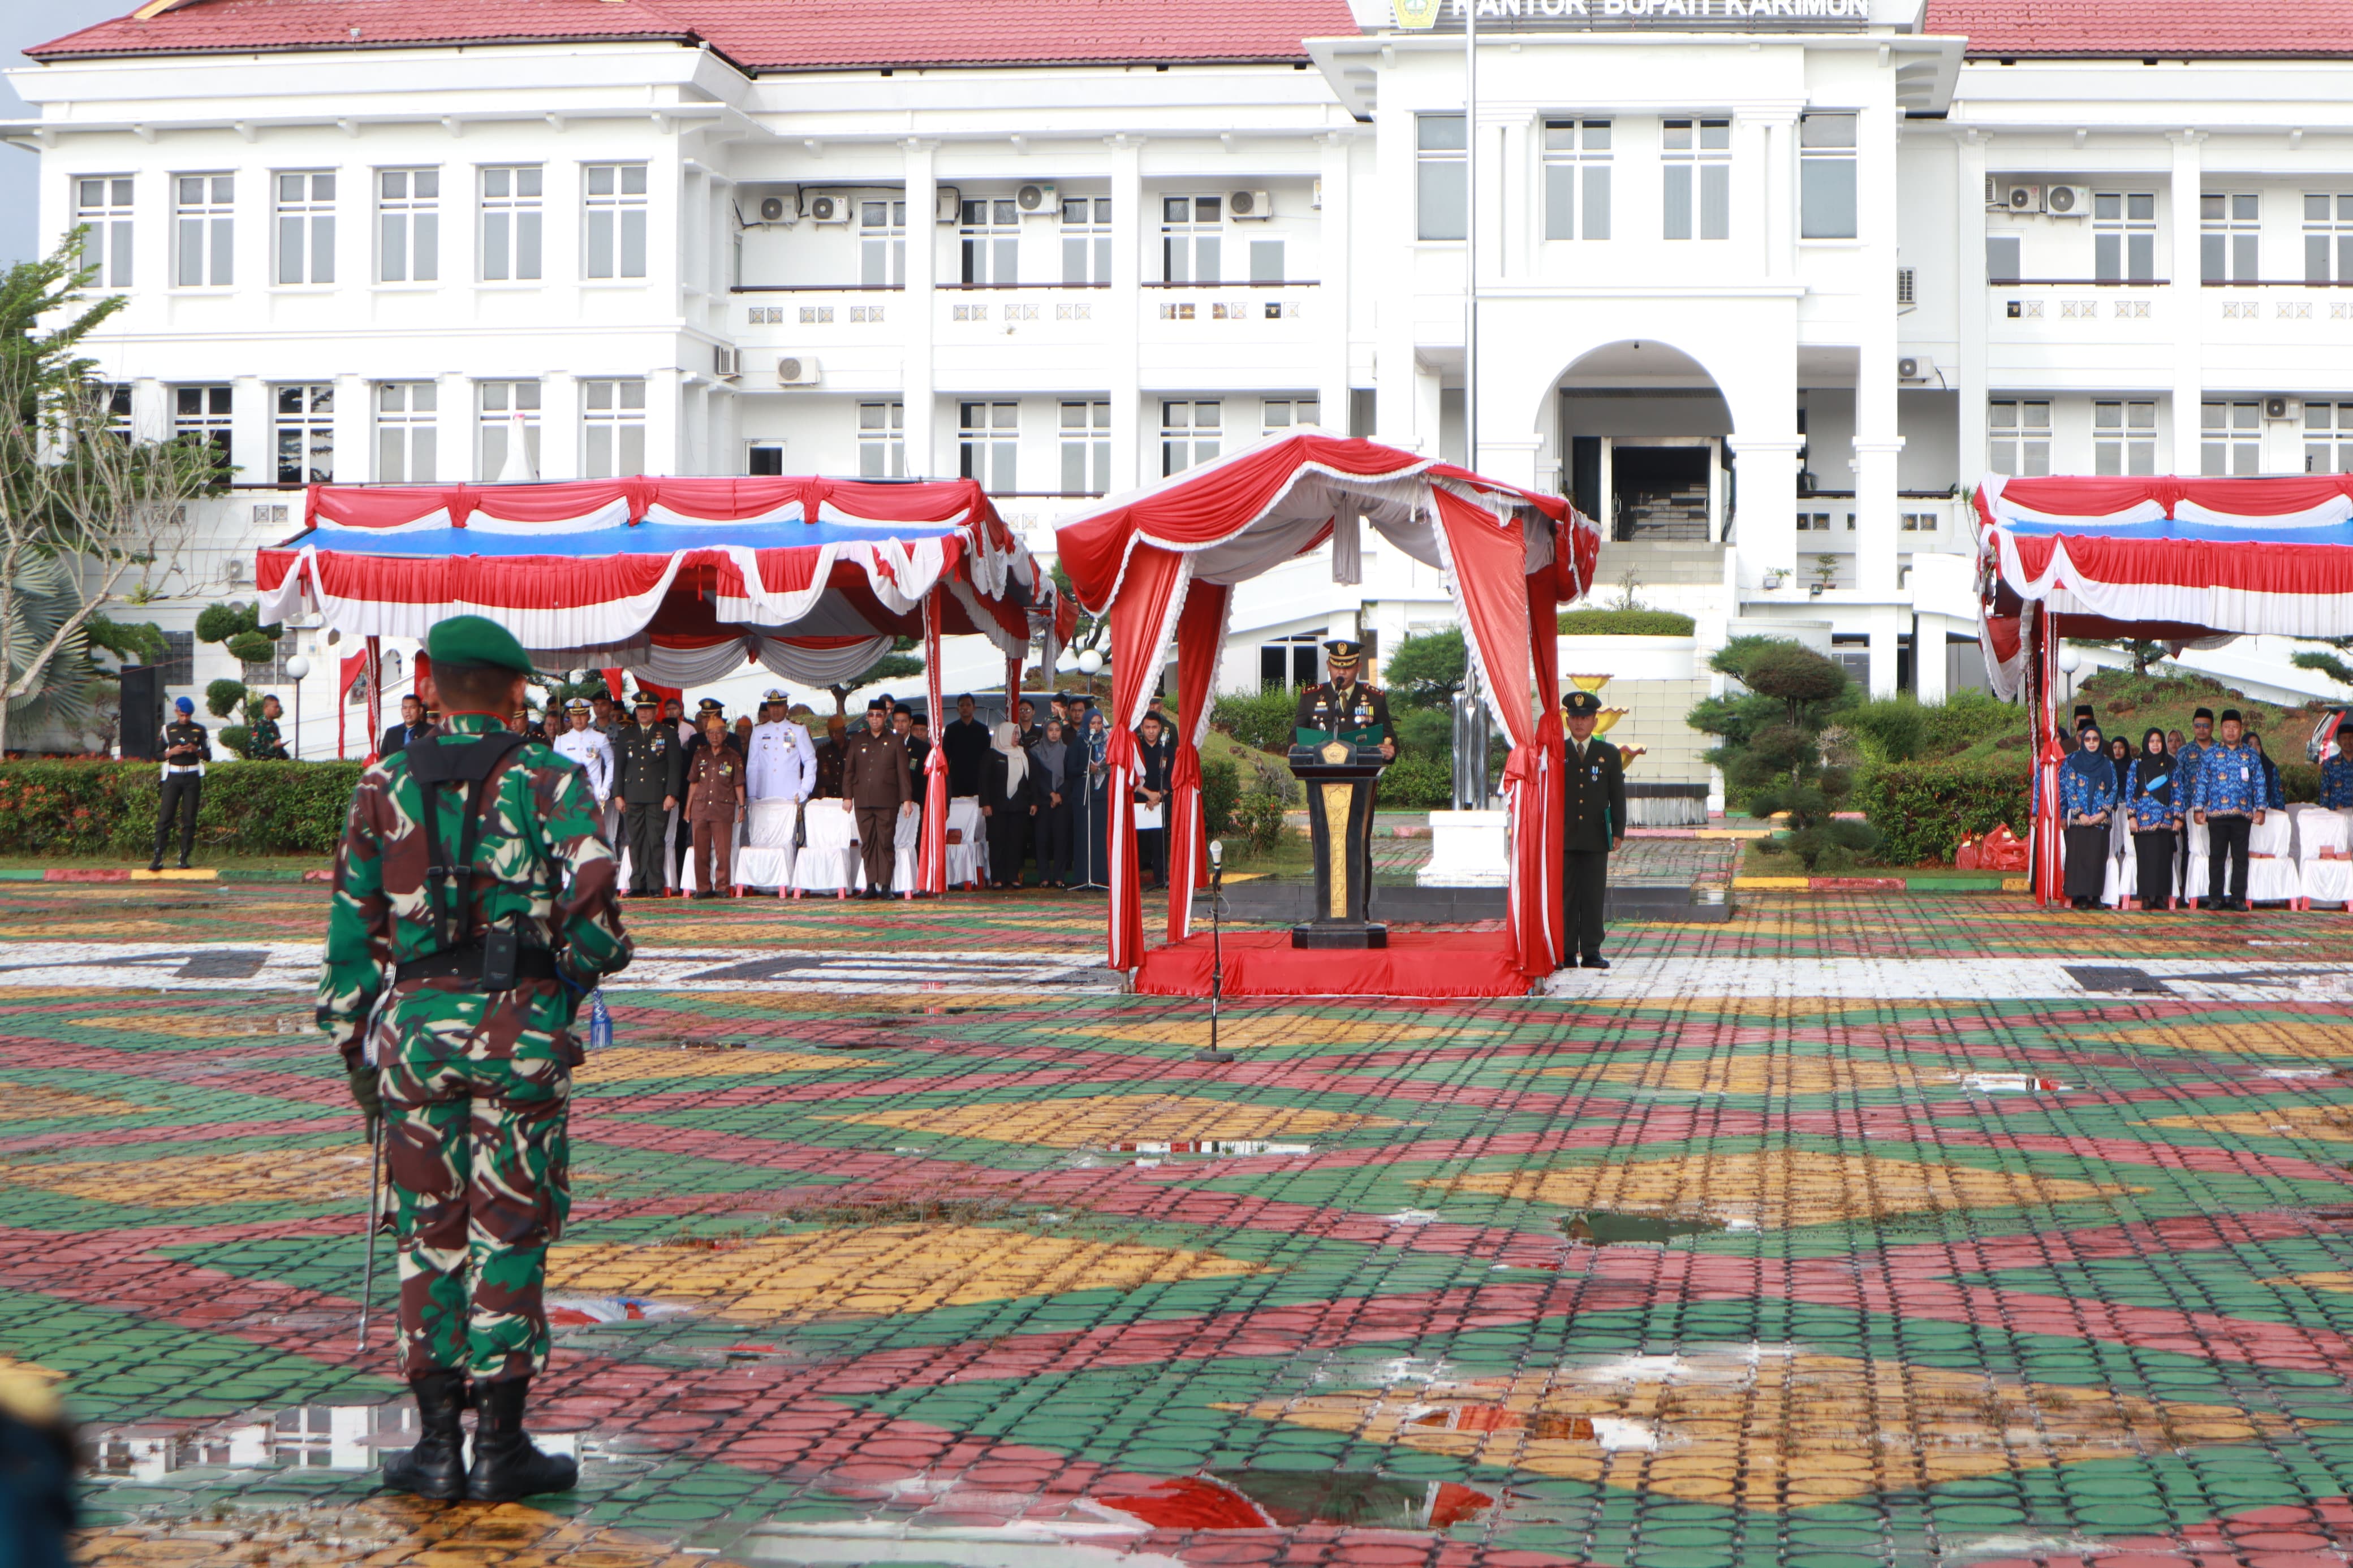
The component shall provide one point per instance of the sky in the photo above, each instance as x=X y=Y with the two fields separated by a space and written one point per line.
x=24 y=23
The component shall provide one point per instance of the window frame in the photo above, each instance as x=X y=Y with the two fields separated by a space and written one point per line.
x=989 y=451
x=420 y=219
x=1829 y=163
x=988 y=241
x=209 y=221
x=303 y=228
x=882 y=247
x=2127 y=236
x=622 y=422
x=510 y=216
x=2130 y=445
x=312 y=423
x=2327 y=237
x=882 y=439
x=1441 y=180
x=2028 y=438
x=615 y=220
x=410 y=430
x=1088 y=442
x=510 y=394
x=1194 y=242
x=112 y=219
x=210 y=421
x=1184 y=433
x=1706 y=179
x=1577 y=177
x=2230 y=437
x=1087 y=238
x=2335 y=436
x=2230 y=237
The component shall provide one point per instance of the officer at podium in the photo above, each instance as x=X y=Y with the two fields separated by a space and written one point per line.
x=1596 y=824
x=1344 y=704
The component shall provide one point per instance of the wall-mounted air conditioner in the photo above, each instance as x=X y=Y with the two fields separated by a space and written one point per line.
x=1251 y=207
x=825 y=206
x=796 y=369
x=2067 y=201
x=2022 y=198
x=1035 y=201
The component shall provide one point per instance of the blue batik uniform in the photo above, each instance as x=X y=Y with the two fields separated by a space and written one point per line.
x=2086 y=794
x=2150 y=801
x=2274 y=794
x=2230 y=779
x=2336 y=782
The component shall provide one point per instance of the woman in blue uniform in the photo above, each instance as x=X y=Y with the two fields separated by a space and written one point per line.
x=2153 y=818
x=2087 y=793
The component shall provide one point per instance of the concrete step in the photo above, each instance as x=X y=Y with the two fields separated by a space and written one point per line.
x=1660 y=560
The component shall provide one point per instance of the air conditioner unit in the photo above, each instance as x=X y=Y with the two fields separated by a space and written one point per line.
x=1994 y=194
x=825 y=206
x=774 y=209
x=947 y=204
x=2283 y=407
x=1032 y=200
x=236 y=568
x=1249 y=206
x=796 y=369
x=2068 y=201
x=1909 y=368
x=2022 y=198
x=726 y=361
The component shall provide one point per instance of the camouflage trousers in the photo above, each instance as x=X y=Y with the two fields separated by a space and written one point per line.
x=479 y=1163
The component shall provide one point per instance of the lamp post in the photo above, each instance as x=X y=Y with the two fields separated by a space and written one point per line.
x=296 y=669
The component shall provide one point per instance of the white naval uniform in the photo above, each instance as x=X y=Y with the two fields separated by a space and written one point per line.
x=778 y=776
x=594 y=755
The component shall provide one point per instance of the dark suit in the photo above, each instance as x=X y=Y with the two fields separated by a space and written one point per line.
x=398 y=737
x=646 y=770
x=965 y=742
x=1594 y=823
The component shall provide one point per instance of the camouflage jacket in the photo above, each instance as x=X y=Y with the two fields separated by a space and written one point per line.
x=262 y=743
x=541 y=856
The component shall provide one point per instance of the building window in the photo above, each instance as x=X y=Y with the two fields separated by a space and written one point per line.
x=1086 y=448
x=306 y=228
x=1189 y=435
x=2226 y=237
x=2002 y=258
x=2328 y=438
x=200 y=417
x=1442 y=177
x=882 y=244
x=1918 y=523
x=986 y=436
x=764 y=459
x=1284 y=415
x=616 y=197
x=2124 y=236
x=179 y=661
x=882 y=440
x=1826 y=176
x=408 y=225
x=205 y=242
x=2231 y=438
x=1192 y=235
x=1813 y=522
x=1287 y=662
x=612 y=429
x=103 y=206
x=497 y=405
x=511 y=219
x=404 y=432
x=1266 y=261
x=2329 y=236
x=2020 y=444
x=110 y=401
x=988 y=230
x=1577 y=179
x=305 y=432
x=1086 y=239
x=2123 y=437
x=1697 y=178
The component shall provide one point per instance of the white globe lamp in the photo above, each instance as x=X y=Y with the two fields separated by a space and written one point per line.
x=1090 y=662
x=2071 y=659
x=298 y=666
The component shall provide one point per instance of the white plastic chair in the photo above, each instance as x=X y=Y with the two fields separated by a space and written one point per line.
x=2194 y=867
x=765 y=860
x=2121 y=883
x=828 y=861
x=906 y=845
x=967 y=861
x=2271 y=861
x=2327 y=879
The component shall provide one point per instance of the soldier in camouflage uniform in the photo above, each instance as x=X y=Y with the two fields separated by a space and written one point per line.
x=262 y=743
x=450 y=997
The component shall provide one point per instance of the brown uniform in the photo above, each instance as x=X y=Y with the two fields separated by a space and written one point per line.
x=714 y=789
x=874 y=782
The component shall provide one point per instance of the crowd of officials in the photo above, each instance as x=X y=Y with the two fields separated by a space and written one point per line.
x=679 y=793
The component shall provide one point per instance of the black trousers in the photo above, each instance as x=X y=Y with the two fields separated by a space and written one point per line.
x=2226 y=842
x=2153 y=849
x=183 y=795
x=1586 y=885
x=1152 y=853
x=642 y=827
x=1053 y=828
x=683 y=847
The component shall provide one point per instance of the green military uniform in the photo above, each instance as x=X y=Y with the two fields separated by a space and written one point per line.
x=1593 y=823
x=473 y=1080
x=262 y=743
x=648 y=768
x=1339 y=709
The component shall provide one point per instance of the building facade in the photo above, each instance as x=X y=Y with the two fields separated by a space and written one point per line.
x=1764 y=287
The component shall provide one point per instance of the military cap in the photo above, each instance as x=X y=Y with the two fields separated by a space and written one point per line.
x=2231 y=716
x=1343 y=651
x=577 y=705
x=711 y=705
x=1581 y=702
x=775 y=694
x=646 y=700
x=477 y=641
x=185 y=705
x=2205 y=713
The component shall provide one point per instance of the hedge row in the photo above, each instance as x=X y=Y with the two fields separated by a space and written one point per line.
x=107 y=807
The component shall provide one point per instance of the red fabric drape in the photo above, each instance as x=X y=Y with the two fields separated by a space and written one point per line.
x=932 y=854
x=2047 y=853
x=616 y=685
x=353 y=666
x=1201 y=632
x=373 y=654
x=1547 y=893
x=1139 y=622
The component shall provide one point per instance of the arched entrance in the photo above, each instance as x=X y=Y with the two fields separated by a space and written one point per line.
x=1642 y=437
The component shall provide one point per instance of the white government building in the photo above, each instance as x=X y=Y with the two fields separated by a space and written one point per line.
x=1765 y=285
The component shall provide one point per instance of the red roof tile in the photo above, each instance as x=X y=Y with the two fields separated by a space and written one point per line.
x=2153 y=28
x=761 y=35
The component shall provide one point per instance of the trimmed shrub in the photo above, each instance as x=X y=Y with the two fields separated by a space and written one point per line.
x=108 y=807
x=1260 y=817
x=1966 y=717
x=1221 y=791
x=1263 y=721
x=1420 y=781
x=1628 y=623
x=1923 y=810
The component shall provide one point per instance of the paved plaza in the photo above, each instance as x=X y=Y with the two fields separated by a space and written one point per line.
x=1862 y=1229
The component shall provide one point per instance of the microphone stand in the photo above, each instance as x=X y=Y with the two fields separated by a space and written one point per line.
x=1217 y=952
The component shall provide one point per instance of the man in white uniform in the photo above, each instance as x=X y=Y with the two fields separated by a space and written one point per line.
x=588 y=748
x=781 y=767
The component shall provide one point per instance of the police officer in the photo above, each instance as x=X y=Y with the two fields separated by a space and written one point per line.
x=1595 y=824
x=1344 y=702
x=262 y=743
x=186 y=746
x=648 y=779
x=473 y=910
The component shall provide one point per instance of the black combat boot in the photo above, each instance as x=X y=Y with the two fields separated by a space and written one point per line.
x=436 y=1468
x=506 y=1466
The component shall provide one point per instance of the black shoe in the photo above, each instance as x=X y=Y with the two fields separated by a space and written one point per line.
x=185 y=866
x=156 y=864
x=1595 y=961
x=436 y=1467
x=506 y=1466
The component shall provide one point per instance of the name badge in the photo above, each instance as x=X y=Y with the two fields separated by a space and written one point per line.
x=2243 y=775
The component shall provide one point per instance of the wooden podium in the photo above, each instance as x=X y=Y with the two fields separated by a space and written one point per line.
x=1339 y=777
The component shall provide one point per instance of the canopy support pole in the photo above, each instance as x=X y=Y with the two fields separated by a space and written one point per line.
x=932 y=858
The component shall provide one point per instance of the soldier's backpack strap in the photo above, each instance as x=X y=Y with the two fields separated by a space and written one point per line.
x=436 y=767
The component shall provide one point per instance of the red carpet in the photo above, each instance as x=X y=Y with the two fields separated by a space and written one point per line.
x=1414 y=963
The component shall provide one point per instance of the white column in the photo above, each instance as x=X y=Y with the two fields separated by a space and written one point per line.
x=923 y=305
x=1876 y=442
x=1928 y=657
x=150 y=410
x=1337 y=249
x=2185 y=303
x=1886 y=626
x=559 y=425
x=666 y=405
x=1390 y=238
x=453 y=428
x=1766 y=528
x=354 y=429
x=1124 y=312
x=1780 y=141
x=1970 y=309
x=250 y=448
x=1752 y=195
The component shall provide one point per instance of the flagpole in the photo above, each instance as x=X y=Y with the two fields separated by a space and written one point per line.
x=1470 y=235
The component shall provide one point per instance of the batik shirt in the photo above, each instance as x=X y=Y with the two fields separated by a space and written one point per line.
x=2150 y=777
x=2085 y=796
x=2336 y=782
x=2230 y=780
x=539 y=859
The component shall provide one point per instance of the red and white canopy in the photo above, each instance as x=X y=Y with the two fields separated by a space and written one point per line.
x=1162 y=561
x=683 y=580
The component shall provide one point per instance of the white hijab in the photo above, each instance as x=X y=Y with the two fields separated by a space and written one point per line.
x=1006 y=739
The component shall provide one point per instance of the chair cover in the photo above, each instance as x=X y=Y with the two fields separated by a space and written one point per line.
x=828 y=862
x=906 y=847
x=2193 y=869
x=2326 y=879
x=2123 y=875
x=765 y=860
x=2271 y=860
x=967 y=861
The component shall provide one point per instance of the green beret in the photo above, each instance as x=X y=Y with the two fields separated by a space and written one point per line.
x=478 y=641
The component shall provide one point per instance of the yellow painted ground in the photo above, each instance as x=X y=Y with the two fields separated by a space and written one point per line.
x=42 y=1102
x=1279 y=1029
x=1755 y=1074
x=193 y=1181
x=1068 y=1123
x=626 y=1063
x=2329 y=1123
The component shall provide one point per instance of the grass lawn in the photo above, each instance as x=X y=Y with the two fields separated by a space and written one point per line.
x=289 y=865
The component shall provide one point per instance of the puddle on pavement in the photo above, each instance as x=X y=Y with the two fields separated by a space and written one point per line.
x=1600 y=1227
x=1262 y=1500
x=353 y=1437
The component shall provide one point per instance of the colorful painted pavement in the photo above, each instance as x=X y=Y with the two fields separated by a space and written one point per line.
x=907 y=1260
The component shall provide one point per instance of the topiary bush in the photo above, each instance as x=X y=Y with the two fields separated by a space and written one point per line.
x=1221 y=791
x=61 y=807
x=1420 y=781
x=1923 y=810
x=1263 y=721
